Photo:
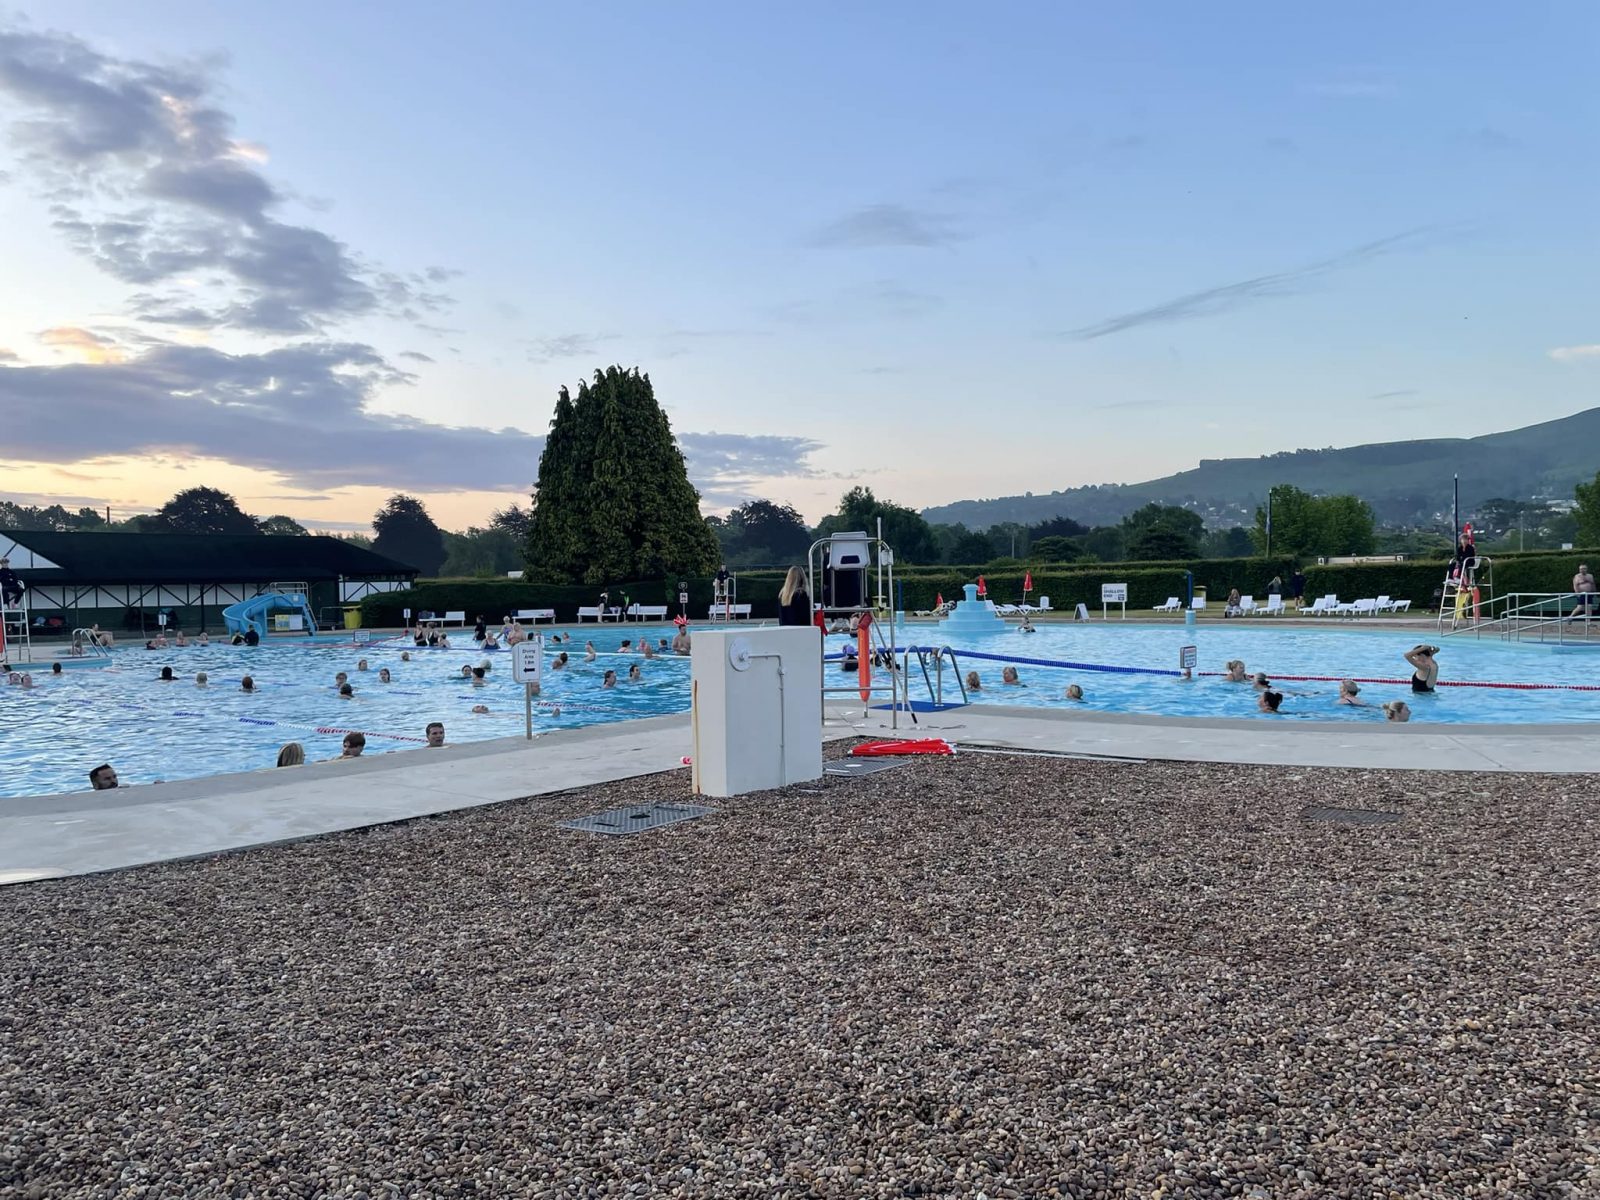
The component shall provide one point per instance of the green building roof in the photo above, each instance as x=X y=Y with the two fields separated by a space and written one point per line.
x=197 y=558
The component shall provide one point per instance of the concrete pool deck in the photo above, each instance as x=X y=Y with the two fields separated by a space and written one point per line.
x=80 y=833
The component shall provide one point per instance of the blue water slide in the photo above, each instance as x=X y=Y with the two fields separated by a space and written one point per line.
x=253 y=613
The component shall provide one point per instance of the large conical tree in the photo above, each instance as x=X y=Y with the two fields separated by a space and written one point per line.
x=614 y=501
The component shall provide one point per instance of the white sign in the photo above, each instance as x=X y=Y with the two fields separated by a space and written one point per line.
x=1113 y=593
x=683 y=597
x=1188 y=657
x=527 y=660
x=407 y=612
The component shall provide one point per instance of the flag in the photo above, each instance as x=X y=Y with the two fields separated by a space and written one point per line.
x=983 y=588
x=1027 y=583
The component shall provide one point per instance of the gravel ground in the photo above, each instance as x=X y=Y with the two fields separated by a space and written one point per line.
x=1000 y=976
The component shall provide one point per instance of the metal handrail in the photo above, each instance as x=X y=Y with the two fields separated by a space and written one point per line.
x=1527 y=612
x=90 y=641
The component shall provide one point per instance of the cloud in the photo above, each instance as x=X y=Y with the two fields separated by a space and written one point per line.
x=886 y=225
x=9 y=355
x=729 y=468
x=82 y=344
x=1211 y=301
x=302 y=412
x=567 y=345
x=1393 y=395
x=148 y=182
x=1575 y=353
x=416 y=356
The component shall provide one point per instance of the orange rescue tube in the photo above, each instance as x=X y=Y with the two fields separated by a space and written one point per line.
x=864 y=663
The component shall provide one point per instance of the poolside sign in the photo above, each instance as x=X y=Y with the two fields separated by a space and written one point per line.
x=1113 y=593
x=1188 y=658
x=527 y=660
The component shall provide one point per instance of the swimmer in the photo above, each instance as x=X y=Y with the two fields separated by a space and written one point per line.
x=293 y=754
x=55 y=668
x=167 y=676
x=1010 y=676
x=588 y=652
x=204 y=639
x=346 y=692
x=646 y=648
x=1074 y=692
x=627 y=644
x=485 y=664
x=1349 y=690
x=340 y=679
x=103 y=778
x=610 y=680
x=1026 y=626
x=477 y=676
x=247 y=684
x=680 y=641
x=662 y=647
x=181 y=640
x=362 y=665
x=466 y=670
x=634 y=674
x=27 y=679
x=1235 y=672
x=1421 y=658
x=1269 y=700
x=354 y=744
x=974 y=684
x=481 y=710
x=1260 y=681
x=201 y=679
x=1397 y=710
x=489 y=642
x=444 y=640
x=405 y=656
x=559 y=662
x=435 y=734
x=384 y=676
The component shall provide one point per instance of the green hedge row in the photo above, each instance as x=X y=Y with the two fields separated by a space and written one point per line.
x=1149 y=584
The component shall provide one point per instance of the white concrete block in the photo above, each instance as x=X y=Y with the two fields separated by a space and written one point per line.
x=756 y=708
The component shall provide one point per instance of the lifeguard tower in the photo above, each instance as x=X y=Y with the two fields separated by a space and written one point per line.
x=837 y=579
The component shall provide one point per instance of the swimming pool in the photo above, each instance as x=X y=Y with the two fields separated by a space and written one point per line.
x=149 y=730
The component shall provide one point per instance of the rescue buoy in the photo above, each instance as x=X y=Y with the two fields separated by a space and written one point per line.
x=864 y=662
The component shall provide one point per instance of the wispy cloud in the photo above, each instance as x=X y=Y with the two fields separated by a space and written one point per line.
x=567 y=345
x=147 y=180
x=1568 y=354
x=1398 y=392
x=887 y=225
x=416 y=356
x=9 y=355
x=1212 y=301
x=82 y=344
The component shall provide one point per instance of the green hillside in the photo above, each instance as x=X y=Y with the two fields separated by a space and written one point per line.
x=1403 y=481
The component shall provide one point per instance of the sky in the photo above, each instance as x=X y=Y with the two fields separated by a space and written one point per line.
x=315 y=254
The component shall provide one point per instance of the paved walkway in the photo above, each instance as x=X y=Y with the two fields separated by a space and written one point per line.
x=82 y=832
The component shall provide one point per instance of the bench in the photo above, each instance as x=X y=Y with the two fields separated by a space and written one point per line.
x=454 y=618
x=734 y=612
x=587 y=612
x=535 y=615
x=647 y=612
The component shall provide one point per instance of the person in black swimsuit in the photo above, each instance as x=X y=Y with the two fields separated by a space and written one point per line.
x=1426 y=670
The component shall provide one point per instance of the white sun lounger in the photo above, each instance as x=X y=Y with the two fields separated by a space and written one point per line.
x=534 y=614
x=1172 y=605
x=1247 y=606
x=1273 y=608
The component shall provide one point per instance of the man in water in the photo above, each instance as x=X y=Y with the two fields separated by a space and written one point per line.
x=103 y=778
x=354 y=744
x=435 y=734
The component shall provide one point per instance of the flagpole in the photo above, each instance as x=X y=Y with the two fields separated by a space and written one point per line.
x=1455 y=518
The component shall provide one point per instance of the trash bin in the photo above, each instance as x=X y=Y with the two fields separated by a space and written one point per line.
x=352 y=618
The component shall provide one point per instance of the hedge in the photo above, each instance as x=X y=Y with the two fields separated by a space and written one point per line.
x=1066 y=584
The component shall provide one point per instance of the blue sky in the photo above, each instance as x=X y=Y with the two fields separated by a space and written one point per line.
x=944 y=250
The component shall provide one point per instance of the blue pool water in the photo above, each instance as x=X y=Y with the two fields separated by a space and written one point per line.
x=149 y=730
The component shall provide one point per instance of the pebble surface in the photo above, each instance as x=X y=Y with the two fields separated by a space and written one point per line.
x=979 y=977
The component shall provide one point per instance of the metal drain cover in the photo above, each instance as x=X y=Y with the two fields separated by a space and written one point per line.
x=637 y=818
x=1353 y=816
x=861 y=766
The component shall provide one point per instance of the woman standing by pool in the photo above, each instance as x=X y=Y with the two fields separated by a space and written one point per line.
x=794 y=602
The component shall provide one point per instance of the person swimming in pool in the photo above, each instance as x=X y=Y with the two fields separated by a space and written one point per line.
x=559 y=663
x=635 y=675
x=1349 y=693
x=1260 y=681
x=1397 y=710
x=1269 y=701
x=974 y=684
x=1425 y=666
x=1009 y=676
x=384 y=676
x=609 y=680
x=1235 y=671
x=588 y=652
x=1074 y=692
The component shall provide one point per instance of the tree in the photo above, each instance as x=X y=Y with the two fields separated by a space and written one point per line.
x=1161 y=542
x=1227 y=543
x=1106 y=543
x=908 y=533
x=283 y=526
x=1304 y=525
x=968 y=548
x=204 y=510
x=55 y=517
x=1587 y=513
x=614 y=501
x=1055 y=548
x=481 y=552
x=1057 y=527
x=407 y=534
x=761 y=533
x=514 y=519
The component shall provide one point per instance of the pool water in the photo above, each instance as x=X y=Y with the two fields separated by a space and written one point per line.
x=55 y=732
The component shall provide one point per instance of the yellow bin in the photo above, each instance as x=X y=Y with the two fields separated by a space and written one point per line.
x=352 y=618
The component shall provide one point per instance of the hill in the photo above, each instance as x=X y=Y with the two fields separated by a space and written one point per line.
x=1405 y=482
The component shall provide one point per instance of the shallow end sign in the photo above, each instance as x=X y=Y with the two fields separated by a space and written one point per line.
x=1188 y=658
x=1113 y=593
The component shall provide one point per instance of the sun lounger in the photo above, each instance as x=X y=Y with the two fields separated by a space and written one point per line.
x=1274 y=608
x=1172 y=605
x=1198 y=604
x=1247 y=606
x=534 y=614
x=1323 y=606
x=1044 y=604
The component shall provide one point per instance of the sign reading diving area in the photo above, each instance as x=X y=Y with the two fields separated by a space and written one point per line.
x=527 y=659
